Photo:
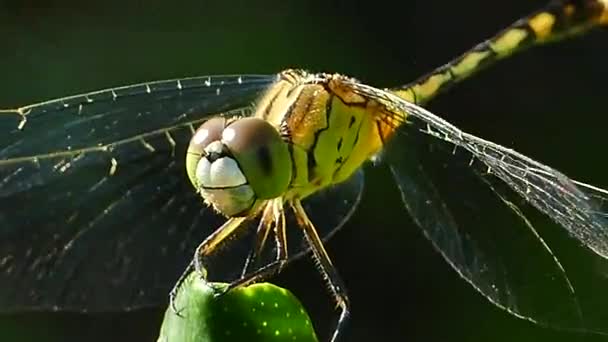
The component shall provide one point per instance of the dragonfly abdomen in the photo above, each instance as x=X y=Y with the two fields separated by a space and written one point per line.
x=559 y=19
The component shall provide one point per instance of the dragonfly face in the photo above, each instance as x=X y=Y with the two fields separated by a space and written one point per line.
x=236 y=164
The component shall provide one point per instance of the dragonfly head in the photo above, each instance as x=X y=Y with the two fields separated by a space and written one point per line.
x=235 y=164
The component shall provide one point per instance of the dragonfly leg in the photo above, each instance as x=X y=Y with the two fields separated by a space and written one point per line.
x=261 y=238
x=273 y=216
x=258 y=275
x=177 y=285
x=206 y=248
x=325 y=266
x=251 y=259
x=213 y=242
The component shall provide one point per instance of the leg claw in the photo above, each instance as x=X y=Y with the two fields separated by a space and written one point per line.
x=219 y=290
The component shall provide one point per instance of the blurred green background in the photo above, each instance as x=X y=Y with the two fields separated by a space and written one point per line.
x=548 y=103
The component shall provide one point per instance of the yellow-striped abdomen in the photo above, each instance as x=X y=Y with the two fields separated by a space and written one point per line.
x=558 y=20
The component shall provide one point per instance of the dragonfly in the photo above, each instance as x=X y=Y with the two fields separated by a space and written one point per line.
x=188 y=169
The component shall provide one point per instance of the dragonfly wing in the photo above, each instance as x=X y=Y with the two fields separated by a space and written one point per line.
x=97 y=213
x=481 y=234
x=579 y=208
x=489 y=240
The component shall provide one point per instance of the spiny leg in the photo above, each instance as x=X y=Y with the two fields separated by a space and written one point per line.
x=325 y=266
x=206 y=248
x=214 y=241
x=275 y=216
x=177 y=285
x=260 y=241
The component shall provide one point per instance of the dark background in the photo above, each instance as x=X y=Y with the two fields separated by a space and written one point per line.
x=548 y=103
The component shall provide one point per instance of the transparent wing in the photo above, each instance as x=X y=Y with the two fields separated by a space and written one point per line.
x=477 y=216
x=96 y=212
x=483 y=234
x=579 y=208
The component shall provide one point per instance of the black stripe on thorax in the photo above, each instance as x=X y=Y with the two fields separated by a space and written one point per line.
x=311 y=161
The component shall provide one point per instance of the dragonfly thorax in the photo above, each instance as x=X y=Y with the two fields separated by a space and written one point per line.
x=237 y=164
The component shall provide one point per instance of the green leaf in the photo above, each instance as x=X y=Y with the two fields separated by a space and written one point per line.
x=259 y=312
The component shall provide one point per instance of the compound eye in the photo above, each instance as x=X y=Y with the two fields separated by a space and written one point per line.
x=262 y=155
x=210 y=131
